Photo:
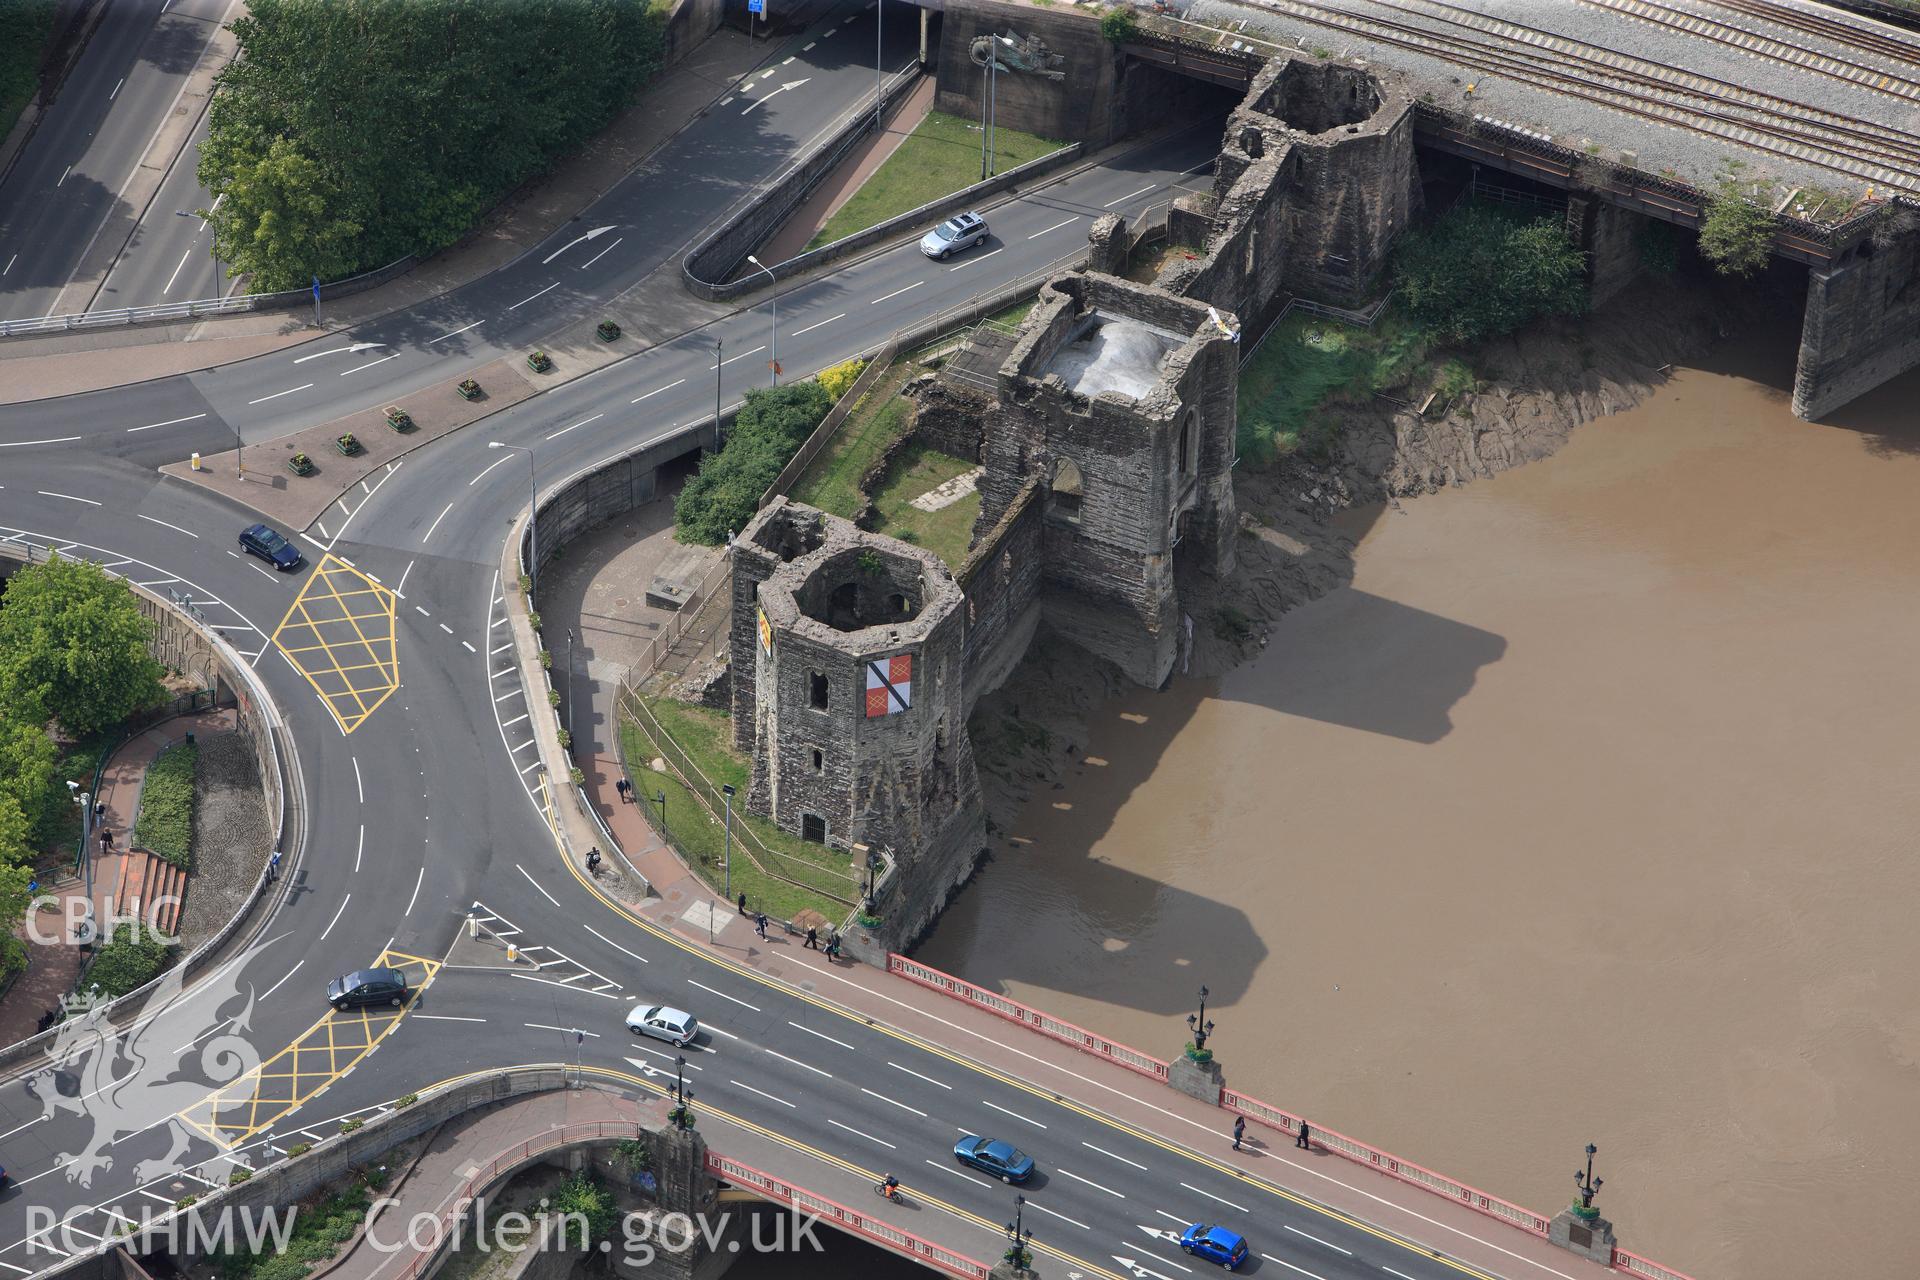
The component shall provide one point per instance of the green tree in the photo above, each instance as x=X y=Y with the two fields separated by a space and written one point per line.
x=73 y=647
x=1119 y=24
x=772 y=425
x=583 y=1195
x=278 y=221
x=1736 y=236
x=15 y=834
x=27 y=766
x=1477 y=274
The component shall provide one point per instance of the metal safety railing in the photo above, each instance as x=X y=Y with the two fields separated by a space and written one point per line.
x=852 y=1220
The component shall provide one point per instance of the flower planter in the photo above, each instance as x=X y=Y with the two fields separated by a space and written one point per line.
x=469 y=390
x=399 y=419
x=300 y=464
x=540 y=362
x=607 y=330
x=346 y=444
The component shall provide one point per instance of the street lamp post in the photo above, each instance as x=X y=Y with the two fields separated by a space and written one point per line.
x=1018 y=1236
x=1587 y=1183
x=569 y=682
x=773 y=362
x=85 y=800
x=1198 y=1024
x=879 y=29
x=726 y=860
x=533 y=515
x=681 y=1120
x=719 y=372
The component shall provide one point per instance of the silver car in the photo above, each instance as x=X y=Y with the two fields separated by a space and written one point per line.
x=675 y=1026
x=961 y=231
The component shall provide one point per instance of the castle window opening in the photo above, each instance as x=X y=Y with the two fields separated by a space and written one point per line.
x=1068 y=489
x=813 y=828
x=897 y=602
x=819 y=760
x=817 y=690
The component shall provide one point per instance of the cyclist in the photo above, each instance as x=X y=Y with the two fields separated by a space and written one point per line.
x=891 y=1187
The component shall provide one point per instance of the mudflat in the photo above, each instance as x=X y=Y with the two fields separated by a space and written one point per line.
x=1585 y=812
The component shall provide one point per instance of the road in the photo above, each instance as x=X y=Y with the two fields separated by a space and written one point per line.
x=424 y=808
x=68 y=187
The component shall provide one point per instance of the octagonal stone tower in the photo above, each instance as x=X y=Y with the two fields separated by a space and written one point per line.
x=848 y=687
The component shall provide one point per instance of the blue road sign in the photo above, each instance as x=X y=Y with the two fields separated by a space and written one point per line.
x=316 y=288
x=757 y=6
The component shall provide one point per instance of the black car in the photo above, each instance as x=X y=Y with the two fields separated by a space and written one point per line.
x=368 y=986
x=272 y=546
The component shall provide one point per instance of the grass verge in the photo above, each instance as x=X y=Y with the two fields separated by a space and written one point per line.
x=946 y=532
x=24 y=28
x=165 y=824
x=832 y=483
x=937 y=159
x=1309 y=361
x=317 y=1235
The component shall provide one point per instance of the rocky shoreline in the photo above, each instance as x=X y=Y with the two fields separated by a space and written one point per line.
x=1302 y=519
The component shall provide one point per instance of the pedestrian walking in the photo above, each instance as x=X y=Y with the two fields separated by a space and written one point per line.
x=100 y=812
x=593 y=859
x=760 y=924
x=106 y=840
x=273 y=866
x=833 y=944
x=623 y=787
x=1239 y=1130
x=1300 y=1140
x=813 y=938
x=743 y=904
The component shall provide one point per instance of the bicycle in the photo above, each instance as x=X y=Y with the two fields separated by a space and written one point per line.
x=889 y=1193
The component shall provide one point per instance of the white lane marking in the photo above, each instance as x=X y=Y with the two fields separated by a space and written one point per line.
x=511 y=693
x=785 y=61
x=916 y=1075
x=516 y=720
x=1096 y=1186
x=1384 y=1267
x=603 y=253
x=583 y=422
x=443 y=337
x=810 y=328
x=168 y=288
x=903 y=1106
x=430 y=528
x=276 y=986
x=1015 y=1114
x=1130 y=195
x=571 y=1031
x=616 y=946
x=1063 y=1217
x=982 y=258
x=168 y=423
x=717 y=1031
x=384 y=477
x=468 y=646
x=522 y=747
x=156 y=582
x=401 y=589
x=417 y=882
x=446 y=1017
x=1055 y=227
x=48 y=493
x=808 y=47
x=1289 y=1266
x=257 y=569
x=723 y=995
x=823 y=1035
x=858 y=1134
x=421 y=609
x=276 y=395
x=897 y=292
x=1317 y=1240
x=802 y=1065
x=536 y=884
x=503 y=648
x=63 y=176
x=1216 y=1199
x=360 y=847
x=336 y=351
x=658 y=1053
x=657 y=390
x=1139 y=1270
x=742 y=356
x=10 y=261
x=483 y=475
x=21 y=444
x=960 y=1173
x=116 y=88
x=163 y=524
x=529 y=769
x=369 y=364
x=1122 y=1159
x=358 y=786
x=530 y=297
x=336 y=917
x=549 y=982
x=763 y=1093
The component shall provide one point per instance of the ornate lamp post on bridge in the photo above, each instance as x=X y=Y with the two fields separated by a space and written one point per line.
x=1579 y=1228
x=1018 y=1256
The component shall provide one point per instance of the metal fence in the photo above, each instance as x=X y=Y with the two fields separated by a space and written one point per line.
x=1013 y=1011
x=714 y=587
x=852 y=1220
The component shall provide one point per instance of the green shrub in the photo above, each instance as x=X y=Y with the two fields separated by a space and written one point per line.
x=1456 y=379
x=772 y=425
x=298 y=1149
x=130 y=958
x=348 y=1126
x=1736 y=236
x=238 y=1176
x=406 y=1100
x=1478 y=273
x=1119 y=24
x=75 y=646
x=837 y=379
x=165 y=824
x=583 y=1195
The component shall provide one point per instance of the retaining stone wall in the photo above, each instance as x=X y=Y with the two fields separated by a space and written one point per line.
x=1862 y=324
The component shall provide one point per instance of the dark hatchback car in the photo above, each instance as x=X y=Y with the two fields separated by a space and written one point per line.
x=1001 y=1159
x=368 y=986
x=272 y=546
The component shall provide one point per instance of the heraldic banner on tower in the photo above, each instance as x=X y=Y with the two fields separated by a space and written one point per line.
x=889 y=685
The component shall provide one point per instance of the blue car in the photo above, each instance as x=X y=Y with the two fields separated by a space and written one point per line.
x=272 y=546
x=1002 y=1160
x=1215 y=1244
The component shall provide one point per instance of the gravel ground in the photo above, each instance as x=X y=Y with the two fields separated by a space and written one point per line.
x=232 y=838
x=1693 y=157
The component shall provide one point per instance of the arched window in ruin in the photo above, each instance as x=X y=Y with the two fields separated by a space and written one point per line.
x=1186 y=457
x=1068 y=489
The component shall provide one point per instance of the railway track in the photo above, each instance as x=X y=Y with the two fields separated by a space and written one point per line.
x=1668 y=96
x=1882 y=41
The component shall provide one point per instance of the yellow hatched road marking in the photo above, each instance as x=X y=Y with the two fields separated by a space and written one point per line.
x=313 y=619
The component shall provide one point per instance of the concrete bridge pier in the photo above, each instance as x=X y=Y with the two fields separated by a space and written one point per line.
x=1863 y=318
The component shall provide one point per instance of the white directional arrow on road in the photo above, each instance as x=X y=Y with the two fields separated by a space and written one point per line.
x=1160 y=1233
x=1138 y=1270
x=358 y=346
x=597 y=231
x=791 y=84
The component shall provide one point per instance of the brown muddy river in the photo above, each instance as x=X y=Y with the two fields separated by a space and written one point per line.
x=1588 y=812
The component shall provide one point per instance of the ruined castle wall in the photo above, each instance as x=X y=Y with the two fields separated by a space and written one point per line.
x=950 y=418
x=1862 y=324
x=1001 y=578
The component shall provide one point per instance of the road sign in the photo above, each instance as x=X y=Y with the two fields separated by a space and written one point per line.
x=757 y=6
